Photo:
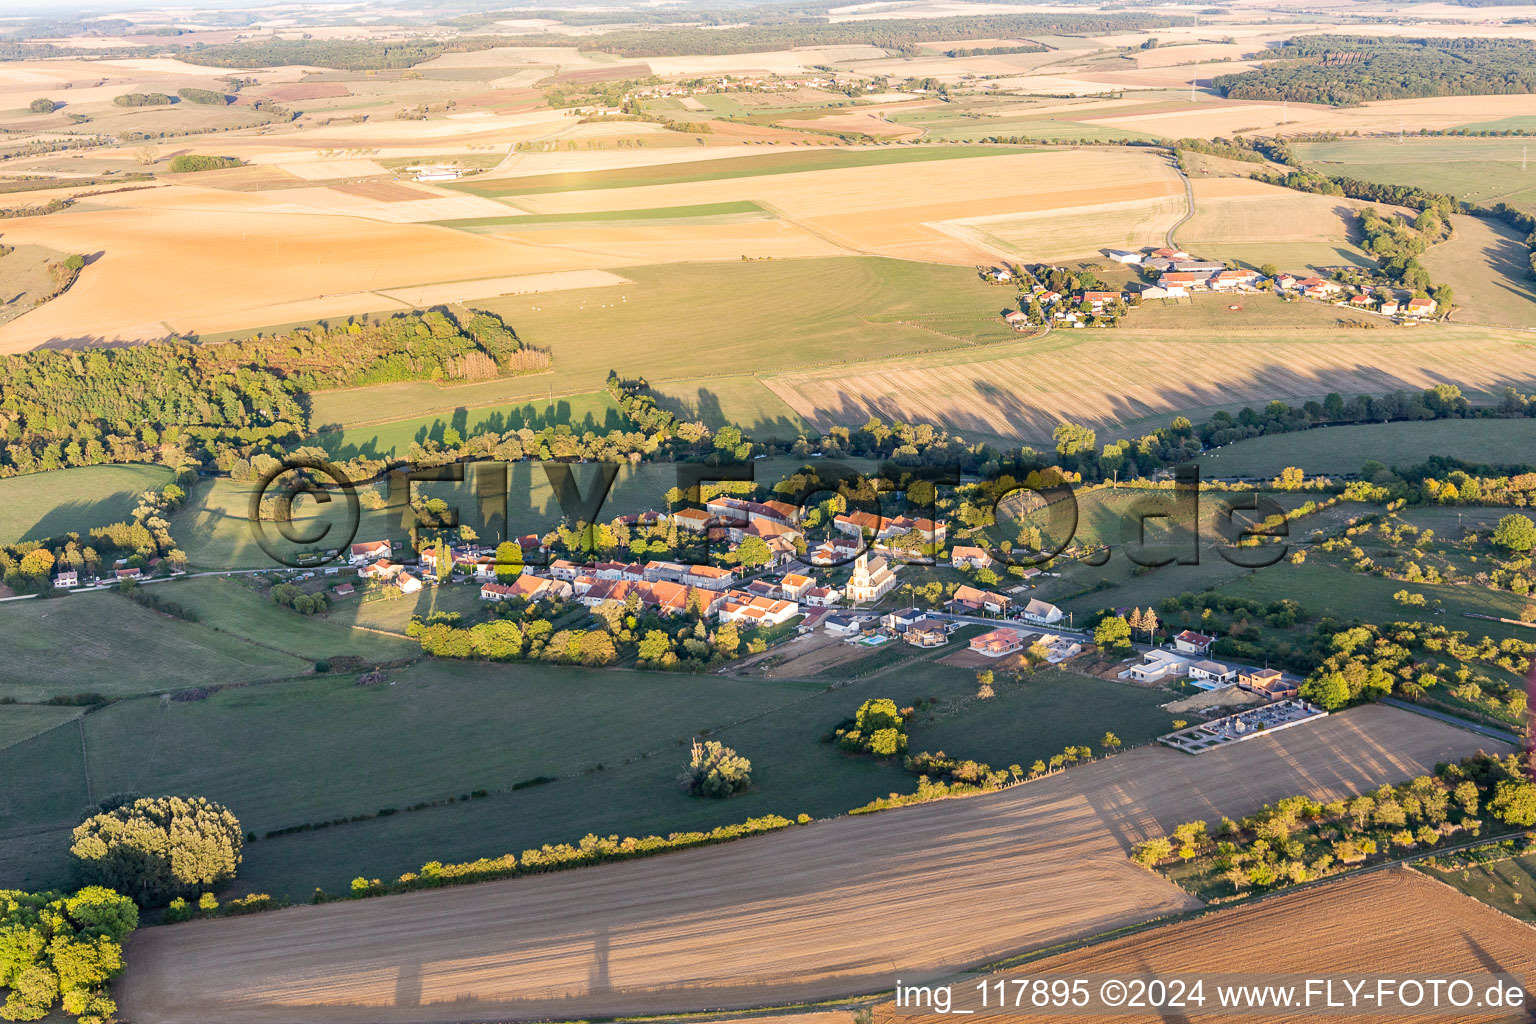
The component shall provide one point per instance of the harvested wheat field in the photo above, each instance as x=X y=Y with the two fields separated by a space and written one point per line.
x=1207 y=118
x=158 y=270
x=868 y=122
x=1107 y=378
x=1392 y=922
x=1050 y=235
x=1238 y=218
x=936 y=887
x=898 y=209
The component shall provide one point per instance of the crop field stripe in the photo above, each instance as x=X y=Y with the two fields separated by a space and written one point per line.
x=742 y=167
x=657 y=213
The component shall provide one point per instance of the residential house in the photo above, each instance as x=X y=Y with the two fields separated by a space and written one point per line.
x=872 y=579
x=903 y=619
x=1211 y=675
x=407 y=583
x=794 y=585
x=968 y=600
x=1190 y=642
x=1267 y=682
x=371 y=550
x=1389 y=308
x=926 y=633
x=841 y=625
x=692 y=520
x=998 y=642
x=1317 y=287
x=821 y=597
x=856 y=523
x=756 y=610
x=1158 y=665
x=931 y=530
x=835 y=552
x=1361 y=301
x=1058 y=648
x=344 y=590
x=964 y=557
x=383 y=569
x=1285 y=281
x=708 y=577
x=1017 y=319
x=672 y=572
x=1419 y=307
x=561 y=569
x=67 y=579
x=527 y=588
x=1042 y=612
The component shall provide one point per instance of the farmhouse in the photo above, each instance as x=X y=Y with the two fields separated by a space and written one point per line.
x=1042 y=612
x=1229 y=279
x=872 y=579
x=1317 y=287
x=969 y=600
x=1190 y=642
x=1419 y=307
x=368 y=551
x=1098 y=299
x=998 y=643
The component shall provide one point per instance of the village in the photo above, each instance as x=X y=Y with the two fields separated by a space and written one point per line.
x=845 y=590
x=1055 y=296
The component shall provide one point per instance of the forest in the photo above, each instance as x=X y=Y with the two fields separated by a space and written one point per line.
x=1348 y=70
x=68 y=408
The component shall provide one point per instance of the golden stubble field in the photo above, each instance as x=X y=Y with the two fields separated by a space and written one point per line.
x=1109 y=377
x=1393 y=922
x=835 y=908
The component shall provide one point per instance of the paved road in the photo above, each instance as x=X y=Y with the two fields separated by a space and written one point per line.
x=1502 y=735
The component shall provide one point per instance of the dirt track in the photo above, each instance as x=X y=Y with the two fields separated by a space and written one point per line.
x=813 y=912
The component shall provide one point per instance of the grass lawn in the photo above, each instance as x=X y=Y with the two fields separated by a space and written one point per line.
x=1207 y=312
x=287 y=753
x=42 y=505
x=1507 y=885
x=104 y=643
x=233 y=606
x=1328 y=451
x=831 y=158
x=1036 y=717
x=741 y=319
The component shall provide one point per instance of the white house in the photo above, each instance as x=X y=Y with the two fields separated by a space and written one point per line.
x=66 y=580
x=1211 y=675
x=407 y=583
x=1042 y=612
x=1190 y=642
x=1157 y=666
x=369 y=551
